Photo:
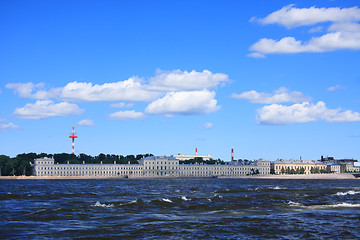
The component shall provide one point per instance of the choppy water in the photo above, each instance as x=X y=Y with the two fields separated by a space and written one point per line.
x=180 y=209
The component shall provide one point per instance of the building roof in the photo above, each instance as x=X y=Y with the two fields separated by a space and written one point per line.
x=159 y=157
x=297 y=162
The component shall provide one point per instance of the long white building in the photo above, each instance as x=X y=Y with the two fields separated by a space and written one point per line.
x=148 y=167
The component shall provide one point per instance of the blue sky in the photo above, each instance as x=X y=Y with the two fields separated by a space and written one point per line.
x=271 y=80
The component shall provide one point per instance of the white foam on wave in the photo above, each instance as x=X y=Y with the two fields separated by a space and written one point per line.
x=185 y=198
x=218 y=196
x=294 y=204
x=166 y=200
x=98 y=204
x=277 y=188
x=351 y=192
x=129 y=203
x=338 y=205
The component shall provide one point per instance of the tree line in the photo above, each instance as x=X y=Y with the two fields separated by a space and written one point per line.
x=20 y=165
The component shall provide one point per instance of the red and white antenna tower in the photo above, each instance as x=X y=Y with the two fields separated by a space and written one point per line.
x=196 y=151
x=232 y=154
x=73 y=136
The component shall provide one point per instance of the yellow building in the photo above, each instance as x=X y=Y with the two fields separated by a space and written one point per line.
x=297 y=167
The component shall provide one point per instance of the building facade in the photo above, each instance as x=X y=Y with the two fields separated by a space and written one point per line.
x=47 y=167
x=148 y=167
x=294 y=166
x=349 y=167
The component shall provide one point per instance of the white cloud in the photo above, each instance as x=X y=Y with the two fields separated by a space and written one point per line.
x=175 y=92
x=256 y=55
x=334 y=88
x=132 y=89
x=177 y=80
x=207 y=125
x=303 y=112
x=290 y=16
x=47 y=108
x=86 y=122
x=184 y=103
x=27 y=90
x=4 y=125
x=121 y=105
x=128 y=90
x=127 y=115
x=280 y=96
x=342 y=34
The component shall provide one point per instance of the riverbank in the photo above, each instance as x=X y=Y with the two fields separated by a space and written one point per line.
x=289 y=176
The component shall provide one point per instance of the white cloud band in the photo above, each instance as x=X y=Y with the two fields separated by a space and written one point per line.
x=280 y=96
x=303 y=112
x=47 y=108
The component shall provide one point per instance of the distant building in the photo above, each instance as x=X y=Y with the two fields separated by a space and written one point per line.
x=335 y=168
x=159 y=166
x=349 y=167
x=183 y=157
x=340 y=165
x=306 y=166
x=148 y=167
x=47 y=167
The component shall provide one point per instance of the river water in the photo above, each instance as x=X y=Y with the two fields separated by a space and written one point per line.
x=180 y=209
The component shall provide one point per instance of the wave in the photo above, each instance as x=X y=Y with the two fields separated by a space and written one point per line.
x=294 y=204
x=351 y=192
x=325 y=206
x=166 y=200
x=270 y=188
x=277 y=188
x=185 y=198
x=338 y=205
x=98 y=204
x=131 y=202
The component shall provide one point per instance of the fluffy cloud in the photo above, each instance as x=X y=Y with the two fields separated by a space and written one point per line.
x=175 y=92
x=127 y=115
x=47 y=108
x=4 y=125
x=177 y=80
x=334 y=88
x=132 y=89
x=290 y=16
x=305 y=112
x=121 y=105
x=184 y=103
x=343 y=33
x=280 y=96
x=27 y=90
x=86 y=122
x=128 y=90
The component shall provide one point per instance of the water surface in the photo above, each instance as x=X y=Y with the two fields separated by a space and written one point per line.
x=180 y=209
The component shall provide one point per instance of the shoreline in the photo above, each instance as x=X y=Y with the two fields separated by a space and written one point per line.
x=294 y=176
